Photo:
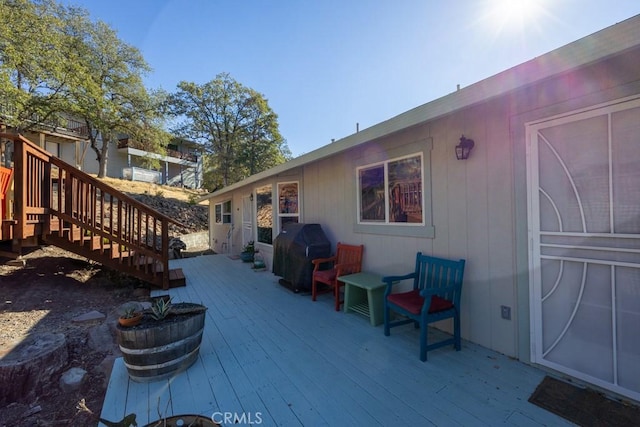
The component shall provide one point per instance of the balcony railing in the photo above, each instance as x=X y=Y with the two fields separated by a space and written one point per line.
x=190 y=157
x=60 y=123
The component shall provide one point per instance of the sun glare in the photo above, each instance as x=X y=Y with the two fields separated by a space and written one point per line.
x=513 y=14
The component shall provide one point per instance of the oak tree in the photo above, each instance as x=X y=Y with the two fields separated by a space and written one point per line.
x=237 y=129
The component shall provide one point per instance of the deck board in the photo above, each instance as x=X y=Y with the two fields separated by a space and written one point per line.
x=270 y=351
x=116 y=393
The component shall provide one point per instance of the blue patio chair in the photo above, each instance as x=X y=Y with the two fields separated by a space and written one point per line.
x=437 y=285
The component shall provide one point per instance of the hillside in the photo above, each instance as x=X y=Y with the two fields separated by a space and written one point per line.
x=136 y=187
x=177 y=203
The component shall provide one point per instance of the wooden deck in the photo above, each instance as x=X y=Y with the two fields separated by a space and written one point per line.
x=273 y=357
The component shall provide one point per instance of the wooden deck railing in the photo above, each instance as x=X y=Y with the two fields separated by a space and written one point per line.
x=73 y=210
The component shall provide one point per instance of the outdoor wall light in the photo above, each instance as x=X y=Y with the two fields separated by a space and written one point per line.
x=464 y=148
x=251 y=197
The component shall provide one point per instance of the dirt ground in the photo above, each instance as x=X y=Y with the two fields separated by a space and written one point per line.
x=48 y=292
x=54 y=287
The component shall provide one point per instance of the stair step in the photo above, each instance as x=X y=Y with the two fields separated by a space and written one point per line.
x=71 y=234
x=95 y=242
x=176 y=278
x=116 y=252
x=6 y=232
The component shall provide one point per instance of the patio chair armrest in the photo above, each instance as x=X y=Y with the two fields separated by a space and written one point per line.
x=319 y=261
x=392 y=280
x=347 y=268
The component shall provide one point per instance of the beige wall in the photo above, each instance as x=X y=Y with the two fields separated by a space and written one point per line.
x=472 y=215
x=471 y=206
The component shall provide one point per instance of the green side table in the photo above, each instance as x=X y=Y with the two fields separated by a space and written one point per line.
x=364 y=294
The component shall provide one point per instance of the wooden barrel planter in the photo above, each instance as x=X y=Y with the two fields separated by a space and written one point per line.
x=158 y=349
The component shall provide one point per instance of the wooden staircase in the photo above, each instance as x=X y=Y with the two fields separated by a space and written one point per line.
x=60 y=205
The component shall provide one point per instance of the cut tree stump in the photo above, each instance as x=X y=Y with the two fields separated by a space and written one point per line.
x=29 y=366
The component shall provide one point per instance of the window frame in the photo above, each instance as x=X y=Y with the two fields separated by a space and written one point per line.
x=221 y=215
x=285 y=217
x=257 y=209
x=425 y=228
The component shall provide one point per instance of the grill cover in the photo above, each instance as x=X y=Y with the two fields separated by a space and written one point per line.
x=294 y=248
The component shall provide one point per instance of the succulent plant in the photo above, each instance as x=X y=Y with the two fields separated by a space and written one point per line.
x=160 y=308
x=129 y=313
x=129 y=309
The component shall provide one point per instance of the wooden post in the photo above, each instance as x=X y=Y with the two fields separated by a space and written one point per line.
x=20 y=178
x=164 y=248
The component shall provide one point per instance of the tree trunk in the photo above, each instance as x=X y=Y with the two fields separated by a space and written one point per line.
x=102 y=170
x=26 y=370
x=102 y=152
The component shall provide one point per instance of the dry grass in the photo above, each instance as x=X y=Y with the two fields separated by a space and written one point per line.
x=136 y=187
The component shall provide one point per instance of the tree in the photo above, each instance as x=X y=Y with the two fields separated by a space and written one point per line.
x=235 y=125
x=35 y=65
x=112 y=98
x=54 y=59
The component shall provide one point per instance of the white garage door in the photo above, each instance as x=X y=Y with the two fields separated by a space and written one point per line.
x=584 y=222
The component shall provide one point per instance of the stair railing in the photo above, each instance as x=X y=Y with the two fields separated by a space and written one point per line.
x=74 y=210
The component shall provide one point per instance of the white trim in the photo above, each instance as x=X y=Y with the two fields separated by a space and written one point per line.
x=273 y=213
x=533 y=221
x=596 y=110
x=223 y=213
x=248 y=230
x=534 y=193
x=279 y=215
x=585 y=235
x=591 y=248
x=592 y=261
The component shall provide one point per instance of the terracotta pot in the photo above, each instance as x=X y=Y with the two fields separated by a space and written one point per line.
x=130 y=321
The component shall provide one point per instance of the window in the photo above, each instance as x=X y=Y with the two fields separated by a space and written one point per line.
x=288 y=203
x=264 y=214
x=223 y=212
x=390 y=192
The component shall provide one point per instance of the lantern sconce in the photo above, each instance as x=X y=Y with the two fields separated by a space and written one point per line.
x=251 y=197
x=464 y=148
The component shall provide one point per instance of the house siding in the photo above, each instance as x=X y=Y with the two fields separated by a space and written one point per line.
x=465 y=207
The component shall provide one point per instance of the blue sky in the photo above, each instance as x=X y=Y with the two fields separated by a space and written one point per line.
x=326 y=65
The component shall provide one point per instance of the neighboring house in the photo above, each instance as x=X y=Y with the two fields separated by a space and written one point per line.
x=68 y=139
x=181 y=166
x=546 y=209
